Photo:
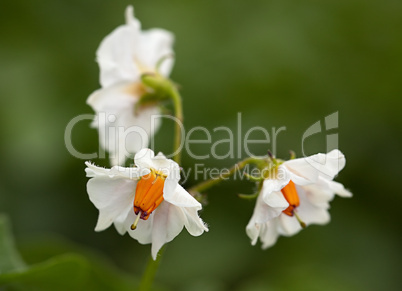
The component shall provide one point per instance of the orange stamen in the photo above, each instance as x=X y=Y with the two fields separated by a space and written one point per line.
x=290 y=194
x=149 y=194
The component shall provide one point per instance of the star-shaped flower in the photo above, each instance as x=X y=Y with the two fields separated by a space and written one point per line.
x=297 y=194
x=145 y=201
x=123 y=56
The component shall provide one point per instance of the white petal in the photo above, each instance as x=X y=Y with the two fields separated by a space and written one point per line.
x=288 y=225
x=314 y=204
x=93 y=170
x=327 y=165
x=172 y=170
x=115 y=98
x=261 y=214
x=339 y=189
x=144 y=158
x=138 y=129
x=130 y=19
x=311 y=214
x=116 y=171
x=120 y=223
x=115 y=55
x=122 y=130
x=269 y=233
x=299 y=180
x=270 y=202
x=253 y=230
x=168 y=223
x=128 y=52
x=264 y=212
x=302 y=173
x=143 y=232
x=316 y=195
x=275 y=200
x=161 y=163
x=153 y=45
x=169 y=188
x=113 y=196
x=312 y=209
x=337 y=160
x=193 y=223
x=180 y=197
x=274 y=185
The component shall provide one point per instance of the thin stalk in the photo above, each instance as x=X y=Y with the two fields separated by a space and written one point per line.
x=150 y=272
x=167 y=87
x=203 y=186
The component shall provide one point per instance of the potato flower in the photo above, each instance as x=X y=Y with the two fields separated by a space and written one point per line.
x=146 y=201
x=297 y=194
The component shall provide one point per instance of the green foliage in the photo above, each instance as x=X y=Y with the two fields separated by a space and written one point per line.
x=281 y=63
x=10 y=260
x=64 y=271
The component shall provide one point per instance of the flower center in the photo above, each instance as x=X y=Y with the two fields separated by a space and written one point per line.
x=148 y=194
x=135 y=89
x=290 y=194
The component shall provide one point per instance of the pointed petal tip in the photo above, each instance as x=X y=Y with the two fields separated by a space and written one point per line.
x=253 y=239
x=129 y=14
x=336 y=153
x=99 y=228
x=348 y=195
x=154 y=252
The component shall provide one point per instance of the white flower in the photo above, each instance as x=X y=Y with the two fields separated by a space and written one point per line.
x=123 y=56
x=297 y=195
x=146 y=201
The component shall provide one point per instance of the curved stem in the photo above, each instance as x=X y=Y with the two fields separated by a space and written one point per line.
x=203 y=186
x=150 y=272
x=167 y=87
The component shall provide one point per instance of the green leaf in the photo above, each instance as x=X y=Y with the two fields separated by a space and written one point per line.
x=66 y=272
x=9 y=257
x=69 y=267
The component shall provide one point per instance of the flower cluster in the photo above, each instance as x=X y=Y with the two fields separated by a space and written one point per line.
x=146 y=201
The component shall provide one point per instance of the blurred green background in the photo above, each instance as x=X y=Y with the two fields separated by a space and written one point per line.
x=281 y=63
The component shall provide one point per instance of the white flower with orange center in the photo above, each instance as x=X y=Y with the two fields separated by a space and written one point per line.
x=145 y=201
x=297 y=195
x=123 y=56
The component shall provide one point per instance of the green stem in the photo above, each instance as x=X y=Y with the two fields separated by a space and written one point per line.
x=150 y=271
x=166 y=87
x=203 y=186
